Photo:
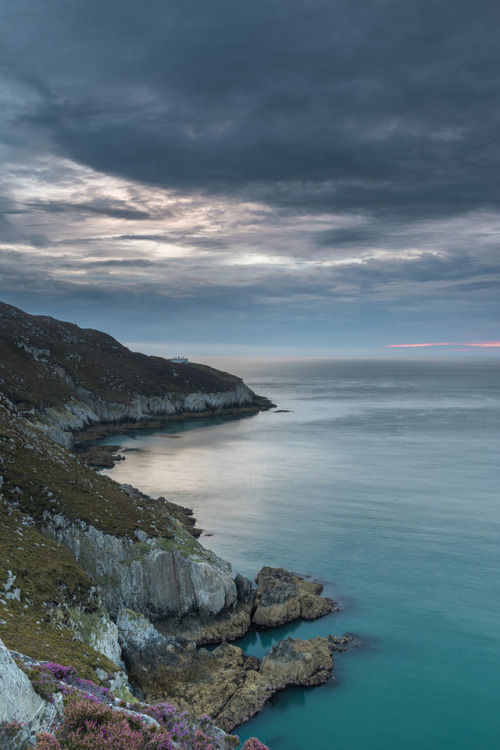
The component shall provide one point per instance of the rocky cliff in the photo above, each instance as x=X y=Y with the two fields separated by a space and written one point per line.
x=18 y=699
x=127 y=549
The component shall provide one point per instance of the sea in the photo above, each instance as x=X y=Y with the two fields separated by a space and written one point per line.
x=381 y=480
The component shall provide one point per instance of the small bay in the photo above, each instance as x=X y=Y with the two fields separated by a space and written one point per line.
x=381 y=480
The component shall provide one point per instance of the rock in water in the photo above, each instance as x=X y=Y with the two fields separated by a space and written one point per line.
x=297 y=662
x=283 y=597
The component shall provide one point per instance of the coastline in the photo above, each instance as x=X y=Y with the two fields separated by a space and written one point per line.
x=135 y=581
x=86 y=435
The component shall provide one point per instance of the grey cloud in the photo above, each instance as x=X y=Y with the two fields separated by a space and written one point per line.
x=391 y=104
x=129 y=263
x=96 y=207
x=384 y=114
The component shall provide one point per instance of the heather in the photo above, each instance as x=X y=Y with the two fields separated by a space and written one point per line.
x=94 y=719
x=91 y=725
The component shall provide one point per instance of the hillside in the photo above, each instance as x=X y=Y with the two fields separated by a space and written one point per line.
x=68 y=378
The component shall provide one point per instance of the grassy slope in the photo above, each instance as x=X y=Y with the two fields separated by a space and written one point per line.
x=48 y=576
x=40 y=475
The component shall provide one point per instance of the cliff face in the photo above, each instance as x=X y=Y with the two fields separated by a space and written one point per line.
x=86 y=409
x=164 y=579
x=68 y=379
x=18 y=700
x=127 y=551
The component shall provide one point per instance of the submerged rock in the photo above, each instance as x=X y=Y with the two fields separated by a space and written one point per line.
x=283 y=597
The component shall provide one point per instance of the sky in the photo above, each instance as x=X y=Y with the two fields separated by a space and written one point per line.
x=289 y=177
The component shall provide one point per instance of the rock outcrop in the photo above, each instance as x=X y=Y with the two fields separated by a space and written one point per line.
x=19 y=702
x=282 y=597
x=225 y=683
x=298 y=662
x=175 y=582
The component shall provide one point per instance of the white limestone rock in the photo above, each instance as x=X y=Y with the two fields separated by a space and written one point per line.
x=159 y=583
x=19 y=702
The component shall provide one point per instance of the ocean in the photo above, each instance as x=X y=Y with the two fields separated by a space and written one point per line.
x=381 y=480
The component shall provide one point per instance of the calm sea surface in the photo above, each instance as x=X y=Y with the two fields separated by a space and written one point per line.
x=381 y=481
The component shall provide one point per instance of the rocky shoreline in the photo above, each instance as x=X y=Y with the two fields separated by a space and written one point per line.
x=225 y=683
x=106 y=456
x=107 y=580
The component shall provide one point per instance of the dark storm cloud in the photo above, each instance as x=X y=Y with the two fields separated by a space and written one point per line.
x=389 y=107
x=281 y=165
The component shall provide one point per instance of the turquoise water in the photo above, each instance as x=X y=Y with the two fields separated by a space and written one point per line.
x=382 y=481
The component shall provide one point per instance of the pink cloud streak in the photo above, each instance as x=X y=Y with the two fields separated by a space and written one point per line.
x=485 y=344
x=480 y=344
x=397 y=346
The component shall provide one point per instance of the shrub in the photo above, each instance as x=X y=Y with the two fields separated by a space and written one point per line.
x=254 y=744
x=58 y=671
x=91 y=725
x=44 y=682
x=45 y=741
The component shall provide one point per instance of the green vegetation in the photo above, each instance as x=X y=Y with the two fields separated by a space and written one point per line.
x=50 y=582
x=185 y=544
x=41 y=476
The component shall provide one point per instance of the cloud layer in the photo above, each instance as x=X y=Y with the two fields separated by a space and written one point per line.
x=323 y=173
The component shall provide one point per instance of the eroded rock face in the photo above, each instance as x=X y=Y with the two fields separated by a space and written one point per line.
x=283 y=597
x=18 y=700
